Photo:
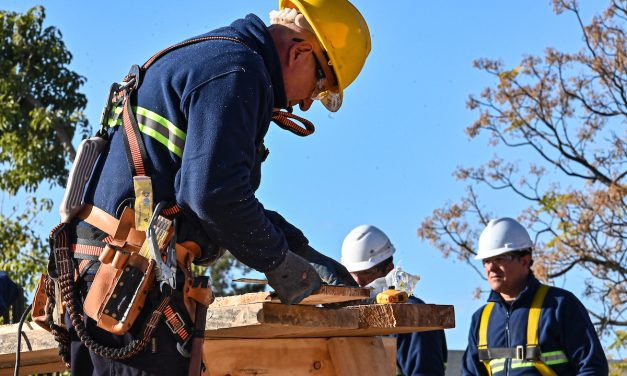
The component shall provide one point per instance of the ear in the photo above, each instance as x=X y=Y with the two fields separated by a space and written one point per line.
x=526 y=261
x=298 y=52
x=389 y=268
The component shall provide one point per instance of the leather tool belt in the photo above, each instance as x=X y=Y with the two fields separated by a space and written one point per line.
x=124 y=278
x=122 y=282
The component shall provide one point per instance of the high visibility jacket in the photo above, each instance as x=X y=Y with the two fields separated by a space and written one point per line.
x=203 y=111
x=421 y=353
x=568 y=342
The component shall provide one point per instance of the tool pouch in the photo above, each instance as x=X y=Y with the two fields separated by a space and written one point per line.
x=119 y=289
x=40 y=300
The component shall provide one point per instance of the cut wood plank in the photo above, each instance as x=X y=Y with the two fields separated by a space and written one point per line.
x=43 y=361
x=426 y=316
x=359 y=356
x=268 y=320
x=39 y=350
x=34 y=339
x=325 y=295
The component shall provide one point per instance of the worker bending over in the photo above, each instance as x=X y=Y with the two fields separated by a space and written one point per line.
x=185 y=141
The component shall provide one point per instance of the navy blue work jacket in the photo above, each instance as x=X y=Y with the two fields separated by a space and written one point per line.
x=421 y=353
x=8 y=291
x=565 y=330
x=204 y=110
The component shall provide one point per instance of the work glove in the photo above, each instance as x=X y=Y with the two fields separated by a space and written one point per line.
x=294 y=279
x=330 y=271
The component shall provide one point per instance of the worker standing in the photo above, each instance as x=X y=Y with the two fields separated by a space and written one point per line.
x=527 y=328
x=193 y=119
x=8 y=292
x=368 y=253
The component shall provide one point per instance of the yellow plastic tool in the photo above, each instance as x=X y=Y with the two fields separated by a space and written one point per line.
x=391 y=295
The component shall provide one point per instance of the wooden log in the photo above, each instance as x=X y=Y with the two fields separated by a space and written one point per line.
x=325 y=295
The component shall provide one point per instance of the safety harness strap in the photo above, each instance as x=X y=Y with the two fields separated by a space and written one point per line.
x=533 y=329
x=529 y=355
x=483 y=334
x=136 y=150
x=518 y=352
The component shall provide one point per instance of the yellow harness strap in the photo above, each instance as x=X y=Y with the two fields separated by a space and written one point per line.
x=533 y=330
x=483 y=332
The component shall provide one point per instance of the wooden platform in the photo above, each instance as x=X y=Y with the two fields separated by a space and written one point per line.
x=297 y=339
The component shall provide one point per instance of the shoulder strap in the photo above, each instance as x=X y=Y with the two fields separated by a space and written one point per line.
x=136 y=151
x=533 y=330
x=483 y=333
x=533 y=323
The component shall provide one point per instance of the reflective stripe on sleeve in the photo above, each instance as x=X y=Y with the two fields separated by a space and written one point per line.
x=155 y=126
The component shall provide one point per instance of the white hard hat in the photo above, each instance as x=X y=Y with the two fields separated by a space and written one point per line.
x=502 y=235
x=364 y=247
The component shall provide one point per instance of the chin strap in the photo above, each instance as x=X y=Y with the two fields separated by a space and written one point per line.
x=283 y=120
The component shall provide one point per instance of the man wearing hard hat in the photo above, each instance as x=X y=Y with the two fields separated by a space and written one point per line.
x=527 y=328
x=184 y=136
x=368 y=254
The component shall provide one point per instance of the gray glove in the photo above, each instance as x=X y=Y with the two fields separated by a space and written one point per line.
x=294 y=279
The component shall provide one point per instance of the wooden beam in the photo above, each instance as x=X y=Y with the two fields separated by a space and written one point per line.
x=325 y=295
x=364 y=356
x=255 y=321
x=294 y=356
x=299 y=356
x=268 y=320
x=39 y=350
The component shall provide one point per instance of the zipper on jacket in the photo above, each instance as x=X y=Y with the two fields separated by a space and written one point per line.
x=507 y=337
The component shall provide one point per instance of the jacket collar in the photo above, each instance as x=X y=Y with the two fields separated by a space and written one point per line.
x=255 y=34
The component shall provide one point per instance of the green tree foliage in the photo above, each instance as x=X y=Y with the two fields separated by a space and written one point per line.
x=40 y=111
x=223 y=272
x=566 y=112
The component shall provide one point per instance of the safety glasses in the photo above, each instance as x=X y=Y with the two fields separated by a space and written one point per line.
x=321 y=79
x=331 y=97
x=500 y=259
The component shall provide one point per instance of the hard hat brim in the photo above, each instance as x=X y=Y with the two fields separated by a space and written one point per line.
x=497 y=252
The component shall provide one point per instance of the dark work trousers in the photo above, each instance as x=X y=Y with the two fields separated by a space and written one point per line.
x=160 y=357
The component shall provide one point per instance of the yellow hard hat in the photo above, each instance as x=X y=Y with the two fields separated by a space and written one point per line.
x=343 y=33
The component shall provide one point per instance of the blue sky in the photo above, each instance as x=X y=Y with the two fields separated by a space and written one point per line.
x=387 y=157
